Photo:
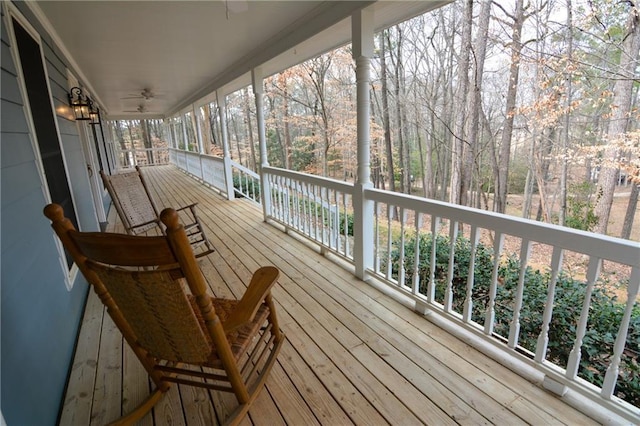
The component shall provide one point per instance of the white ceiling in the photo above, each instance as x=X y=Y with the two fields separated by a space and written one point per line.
x=183 y=50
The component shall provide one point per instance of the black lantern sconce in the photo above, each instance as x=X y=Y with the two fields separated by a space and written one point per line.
x=79 y=103
x=94 y=112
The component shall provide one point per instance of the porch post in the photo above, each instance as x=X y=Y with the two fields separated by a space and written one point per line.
x=258 y=92
x=185 y=135
x=362 y=36
x=226 y=157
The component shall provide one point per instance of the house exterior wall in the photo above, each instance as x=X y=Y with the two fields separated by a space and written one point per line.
x=39 y=315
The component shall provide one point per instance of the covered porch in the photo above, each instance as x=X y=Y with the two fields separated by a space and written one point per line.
x=353 y=353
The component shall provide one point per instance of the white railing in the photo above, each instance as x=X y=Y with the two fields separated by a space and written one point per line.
x=318 y=208
x=479 y=269
x=246 y=182
x=207 y=168
x=130 y=158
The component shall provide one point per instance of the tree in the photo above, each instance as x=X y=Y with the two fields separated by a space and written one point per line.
x=502 y=172
x=474 y=101
x=618 y=125
x=459 y=137
x=385 y=112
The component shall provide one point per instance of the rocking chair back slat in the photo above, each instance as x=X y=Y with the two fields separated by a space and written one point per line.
x=139 y=213
x=158 y=311
x=133 y=202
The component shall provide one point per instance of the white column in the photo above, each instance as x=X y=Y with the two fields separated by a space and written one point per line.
x=258 y=92
x=185 y=135
x=362 y=36
x=226 y=156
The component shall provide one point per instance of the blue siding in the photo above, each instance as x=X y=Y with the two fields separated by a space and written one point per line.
x=39 y=317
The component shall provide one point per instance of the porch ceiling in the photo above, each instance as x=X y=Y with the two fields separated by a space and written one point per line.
x=183 y=50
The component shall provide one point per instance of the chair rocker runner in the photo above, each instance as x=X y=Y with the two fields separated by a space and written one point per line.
x=178 y=332
x=139 y=214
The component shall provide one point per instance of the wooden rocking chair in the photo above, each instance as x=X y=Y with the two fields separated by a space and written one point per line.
x=178 y=332
x=139 y=214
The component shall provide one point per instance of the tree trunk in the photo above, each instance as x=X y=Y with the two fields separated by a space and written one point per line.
x=475 y=103
x=504 y=157
x=631 y=211
x=247 y=117
x=236 y=133
x=567 y=114
x=622 y=94
x=146 y=140
x=287 y=129
x=206 y=131
x=403 y=146
x=385 y=113
x=461 y=93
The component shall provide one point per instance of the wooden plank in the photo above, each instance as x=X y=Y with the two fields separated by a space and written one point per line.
x=79 y=396
x=323 y=405
x=196 y=406
x=420 y=392
x=291 y=405
x=135 y=384
x=354 y=404
x=107 y=396
x=168 y=411
x=512 y=384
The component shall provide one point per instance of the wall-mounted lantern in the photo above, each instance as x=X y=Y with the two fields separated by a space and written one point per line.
x=80 y=104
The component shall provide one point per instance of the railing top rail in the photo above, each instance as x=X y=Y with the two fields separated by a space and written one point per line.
x=212 y=157
x=334 y=184
x=602 y=246
x=244 y=169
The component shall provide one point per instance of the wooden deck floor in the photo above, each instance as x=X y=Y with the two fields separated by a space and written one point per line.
x=352 y=356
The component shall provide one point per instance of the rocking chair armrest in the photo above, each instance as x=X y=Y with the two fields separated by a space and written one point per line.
x=191 y=207
x=259 y=287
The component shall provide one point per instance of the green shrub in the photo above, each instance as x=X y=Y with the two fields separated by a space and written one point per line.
x=246 y=186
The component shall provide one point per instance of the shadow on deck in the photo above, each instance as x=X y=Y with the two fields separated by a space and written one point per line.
x=353 y=355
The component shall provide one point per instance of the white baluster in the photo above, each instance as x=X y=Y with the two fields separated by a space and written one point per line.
x=376 y=241
x=453 y=236
x=431 y=289
x=611 y=376
x=401 y=269
x=574 y=357
x=543 y=338
x=389 y=245
x=468 y=301
x=416 y=260
x=346 y=225
x=491 y=306
x=514 y=328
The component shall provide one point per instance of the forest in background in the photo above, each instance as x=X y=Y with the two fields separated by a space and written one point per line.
x=470 y=103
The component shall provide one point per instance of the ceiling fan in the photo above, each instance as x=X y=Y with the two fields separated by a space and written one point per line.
x=146 y=94
x=141 y=108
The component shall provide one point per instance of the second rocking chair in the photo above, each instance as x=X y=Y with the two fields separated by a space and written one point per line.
x=139 y=214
